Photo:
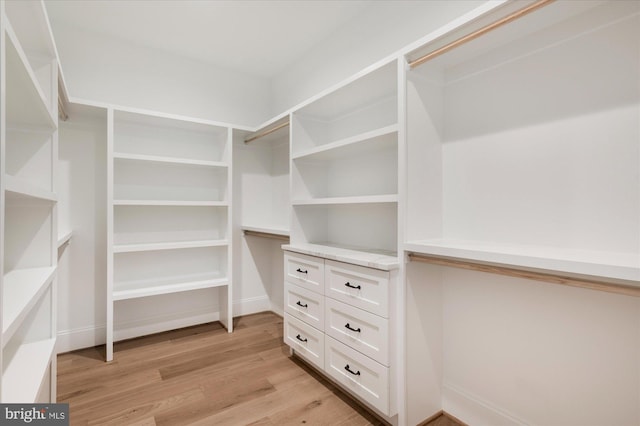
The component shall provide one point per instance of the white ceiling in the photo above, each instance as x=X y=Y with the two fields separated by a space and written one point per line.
x=261 y=37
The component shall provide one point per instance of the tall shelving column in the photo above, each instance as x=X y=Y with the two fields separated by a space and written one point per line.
x=169 y=210
x=344 y=170
x=28 y=222
x=342 y=270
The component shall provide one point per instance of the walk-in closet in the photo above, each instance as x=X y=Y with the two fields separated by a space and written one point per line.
x=305 y=212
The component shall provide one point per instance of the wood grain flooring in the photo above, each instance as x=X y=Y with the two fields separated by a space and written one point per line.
x=203 y=375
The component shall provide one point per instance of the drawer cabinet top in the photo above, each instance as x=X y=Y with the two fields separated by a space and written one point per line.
x=384 y=260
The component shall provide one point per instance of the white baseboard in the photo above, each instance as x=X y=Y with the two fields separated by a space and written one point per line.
x=86 y=337
x=473 y=410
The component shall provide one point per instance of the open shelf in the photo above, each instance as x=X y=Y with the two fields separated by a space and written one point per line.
x=141 y=225
x=128 y=248
x=363 y=106
x=22 y=290
x=266 y=230
x=174 y=284
x=369 y=227
x=18 y=189
x=354 y=145
x=26 y=102
x=180 y=182
x=25 y=373
x=151 y=138
x=168 y=160
x=365 y=170
x=378 y=259
x=523 y=144
x=170 y=203
x=363 y=199
x=601 y=265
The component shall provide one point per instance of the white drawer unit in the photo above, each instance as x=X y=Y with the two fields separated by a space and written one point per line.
x=345 y=310
x=361 y=330
x=358 y=373
x=365 y=288
x=304 y=304
x=305 y=340
x=306 y=271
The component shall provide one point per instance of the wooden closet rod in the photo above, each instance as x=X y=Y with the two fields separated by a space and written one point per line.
x=266 y=235
x=492 y=26
x=266 y=132
x=537 y=276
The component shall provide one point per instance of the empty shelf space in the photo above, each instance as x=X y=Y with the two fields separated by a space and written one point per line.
x=154 y=287
x=25 y=372
x=17 y=188
x=600 y=265
x=170 y=203
x=365 y=141
x=371 y=258
x=26 y=102
x=168 y=160
x=364 y=199
x=127 y=248
x=22 y=289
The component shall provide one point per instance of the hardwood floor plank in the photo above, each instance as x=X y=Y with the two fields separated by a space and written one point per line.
x=203 y=375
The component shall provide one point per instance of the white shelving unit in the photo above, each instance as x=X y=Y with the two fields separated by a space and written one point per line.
x=344 y=238
x=344 y=166
x=545 y=175
x=523 y=155
x=169 y=210
x=28 y=218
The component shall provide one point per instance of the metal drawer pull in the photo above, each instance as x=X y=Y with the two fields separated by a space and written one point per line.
x=355 y=373
x=301 y=339
x=357 y=330
x=300 y=304
x=301 y=271
x=348 y=284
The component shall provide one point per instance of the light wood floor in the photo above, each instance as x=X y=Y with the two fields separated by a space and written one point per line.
x=204 y=376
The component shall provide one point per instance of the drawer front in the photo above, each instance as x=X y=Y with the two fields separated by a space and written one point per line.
x=305 y=340
x=360 y=375
x=304 y=304
x=358 y=286
x=306 y=271
x=361 y=330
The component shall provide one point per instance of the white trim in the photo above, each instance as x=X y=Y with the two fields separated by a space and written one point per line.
x=89 y=336
x=472 y=409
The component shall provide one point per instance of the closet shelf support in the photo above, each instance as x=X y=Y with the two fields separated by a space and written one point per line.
x=492 y=26
x=627 y=290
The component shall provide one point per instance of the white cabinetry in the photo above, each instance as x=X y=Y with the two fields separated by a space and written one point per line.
x=523 y=145
x=339 y=317
x=341 y=266
x=169 y=210
x=28 y=222
x=523 y=152
x=344 y=168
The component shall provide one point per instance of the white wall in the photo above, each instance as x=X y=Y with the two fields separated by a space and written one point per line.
x=383 y=29
x=109 y=70
x=572 y=357
x=509 y=351
x=82 y=207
